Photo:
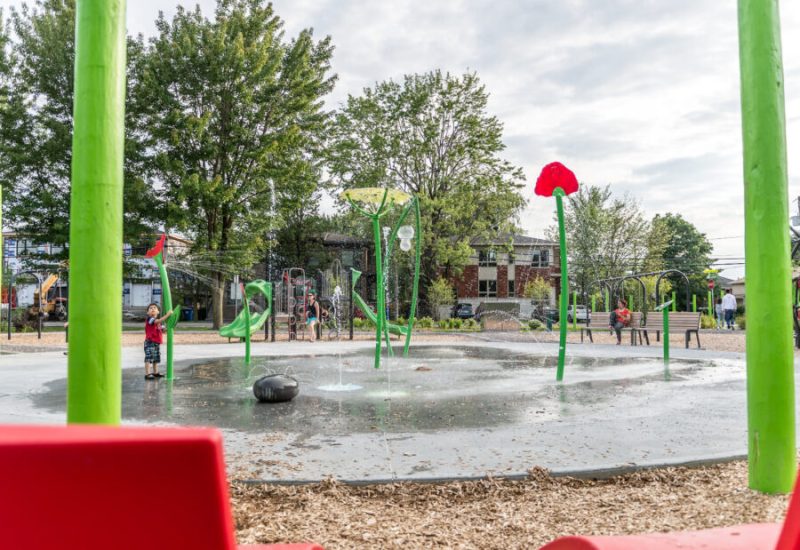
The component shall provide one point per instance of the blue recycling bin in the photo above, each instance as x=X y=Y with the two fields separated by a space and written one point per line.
x=188 y=314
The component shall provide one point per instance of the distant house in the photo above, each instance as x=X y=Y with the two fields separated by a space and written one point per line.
x=500 y=268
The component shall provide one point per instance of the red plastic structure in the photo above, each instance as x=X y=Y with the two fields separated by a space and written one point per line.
x=97 y=487
x=757 y=536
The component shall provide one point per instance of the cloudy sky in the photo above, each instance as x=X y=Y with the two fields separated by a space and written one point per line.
x=639 y=94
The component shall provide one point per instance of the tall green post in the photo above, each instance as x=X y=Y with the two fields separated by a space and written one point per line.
x=607 y=303
x=674 y=302
x=630 y=302
x=694 y=303
x=710 y=301
x=556 y=180
x=666 y=332
x=770 y=373
x=94 y=372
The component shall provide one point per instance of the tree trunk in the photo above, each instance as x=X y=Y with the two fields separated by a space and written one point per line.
x=217 y=299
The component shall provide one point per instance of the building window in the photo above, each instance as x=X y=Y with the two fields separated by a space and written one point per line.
x=487 y=288
x=540 y=258
x=510 y=258
x=487 y=258
x=511 y=288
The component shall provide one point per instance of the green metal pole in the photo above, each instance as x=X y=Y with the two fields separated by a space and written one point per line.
x=666 y=334
x=674 y=302
x=166 y=299
x=710 y=304
x=770 y=373
x=381 y=313
x=607 y=303
x=564 y=298
x=574 y=310
x=630 y=302
x=94 y=371
x=694 y=303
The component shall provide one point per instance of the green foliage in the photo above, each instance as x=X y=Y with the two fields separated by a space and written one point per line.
x=440 y=293
x=608 y=236
x=36 y=97
x=708 y=321
x=687 y=250
x=230 y=107
x=431 y=136
x=470 y=324
x=741 y=322
x=535 y=324
x=443 y=324
x=424 y=322
x=455 y=323
x=537 y=288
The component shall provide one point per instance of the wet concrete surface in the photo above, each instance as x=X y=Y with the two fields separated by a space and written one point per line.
x=466 y=409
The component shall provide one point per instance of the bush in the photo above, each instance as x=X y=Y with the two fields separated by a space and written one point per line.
x=425 y=322
x=740 y=321
x=535 y=324
x=470 y=324
x=456 y=323
x=707 y=321
x=443 y=324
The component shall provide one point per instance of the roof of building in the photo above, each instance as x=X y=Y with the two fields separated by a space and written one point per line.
x=506 y=238
x=340 y=239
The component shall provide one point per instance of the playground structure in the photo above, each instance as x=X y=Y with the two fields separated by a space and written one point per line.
x=376 y=203
x=613 y=288
x=246 y=324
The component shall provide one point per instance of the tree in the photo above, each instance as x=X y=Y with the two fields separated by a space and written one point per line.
x=608 y=237
x=686 y=249
x=233 y=110
x=430 y=135
x=36 y=130
x=440 y=293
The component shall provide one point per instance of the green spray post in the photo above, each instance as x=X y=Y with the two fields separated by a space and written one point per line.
x=377 y=202
x=674 y=302
x=556 y=180
x=772 y=452
x=694 y=303
x=157 y=254
x=664 y=308
x=94 y=374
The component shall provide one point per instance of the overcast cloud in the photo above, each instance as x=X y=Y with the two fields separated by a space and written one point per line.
x=639 y=94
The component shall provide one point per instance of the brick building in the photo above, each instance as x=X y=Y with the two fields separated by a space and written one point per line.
x=500 y=268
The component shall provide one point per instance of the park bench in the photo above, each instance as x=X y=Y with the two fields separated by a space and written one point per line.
x=99 y=487
x=756 y=536
x=679 y=321
x=636 y=321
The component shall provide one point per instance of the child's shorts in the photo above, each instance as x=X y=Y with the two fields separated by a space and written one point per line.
x=152 y=352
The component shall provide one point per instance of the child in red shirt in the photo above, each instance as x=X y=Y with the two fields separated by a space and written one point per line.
x=152 y=341
x=620 y=318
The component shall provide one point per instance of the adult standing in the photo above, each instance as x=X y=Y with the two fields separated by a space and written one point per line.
x=729 y=307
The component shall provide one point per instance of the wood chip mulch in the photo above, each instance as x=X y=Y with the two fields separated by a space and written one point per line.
x=495 y=513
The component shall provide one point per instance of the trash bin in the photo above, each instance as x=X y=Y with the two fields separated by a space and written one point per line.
x=188 y=314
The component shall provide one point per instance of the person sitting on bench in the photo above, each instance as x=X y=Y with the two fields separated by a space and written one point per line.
x=619 y=319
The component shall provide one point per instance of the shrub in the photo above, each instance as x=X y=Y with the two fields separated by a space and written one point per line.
x=470 y=324
x=740 y=322
x=456 y=323
x=707 y=321
x=535 y=324
x=425 y=322
x=443 y=324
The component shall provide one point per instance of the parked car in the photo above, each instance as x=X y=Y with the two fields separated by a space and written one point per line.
x=581 y=313
x=462 y=311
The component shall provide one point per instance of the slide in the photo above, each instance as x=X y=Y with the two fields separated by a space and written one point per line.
x=239 y=327
x=371 y=315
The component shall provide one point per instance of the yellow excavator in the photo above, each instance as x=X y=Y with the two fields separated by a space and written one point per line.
x=54 y=308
